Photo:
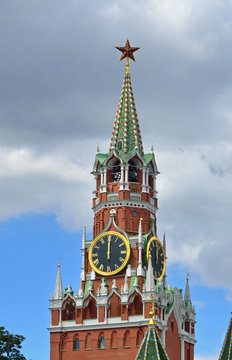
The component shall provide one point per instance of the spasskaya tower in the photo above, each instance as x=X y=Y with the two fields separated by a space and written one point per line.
x=125 y=262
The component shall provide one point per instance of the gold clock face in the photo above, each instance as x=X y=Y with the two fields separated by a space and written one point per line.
x=158 y=260
x=109 y=253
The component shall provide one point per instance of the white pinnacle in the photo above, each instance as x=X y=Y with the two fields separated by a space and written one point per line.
x=187 y=295
x=58 y=293
x=150 y=284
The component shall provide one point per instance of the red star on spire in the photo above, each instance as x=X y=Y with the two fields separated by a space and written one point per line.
x=127 y=51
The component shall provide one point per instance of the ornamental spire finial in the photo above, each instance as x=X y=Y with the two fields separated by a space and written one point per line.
x=127 y=52
x=152 y=313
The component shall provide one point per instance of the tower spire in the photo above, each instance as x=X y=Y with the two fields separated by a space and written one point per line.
x=226 y=352
x=151 y=347
x=58 y=293
x=126 y=132
x=187 y=296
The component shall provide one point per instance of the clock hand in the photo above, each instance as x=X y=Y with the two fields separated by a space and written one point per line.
x=156 y=252
x=108 y=252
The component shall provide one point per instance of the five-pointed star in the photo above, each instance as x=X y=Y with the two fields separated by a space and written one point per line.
x=127 y=51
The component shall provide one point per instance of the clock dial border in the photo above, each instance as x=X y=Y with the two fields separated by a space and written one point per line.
x=155 y=238
x=126 y=242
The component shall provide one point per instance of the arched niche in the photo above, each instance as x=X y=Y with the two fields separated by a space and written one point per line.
x=68 y=310
x=90 y=308
x=88 y=341
x=136 y=306
x=139 y=337
x=114 y=340
x=126 y=339
x=115 y=306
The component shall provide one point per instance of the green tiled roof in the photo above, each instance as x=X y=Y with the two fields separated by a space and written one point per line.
x=126 y=131
x=86 y=287
x=148 y=158
x=101 y=158
x=151 y=347
x=132 y=282
x=226 y=353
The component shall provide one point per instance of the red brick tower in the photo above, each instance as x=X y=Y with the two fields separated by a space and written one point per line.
x=125 y=262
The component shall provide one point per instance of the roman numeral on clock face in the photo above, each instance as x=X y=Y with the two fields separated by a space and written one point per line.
x=109 y=253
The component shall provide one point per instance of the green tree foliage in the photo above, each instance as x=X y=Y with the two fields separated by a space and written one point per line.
x=10 y=345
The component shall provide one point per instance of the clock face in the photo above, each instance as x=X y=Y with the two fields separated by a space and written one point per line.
x=155 y=248
x=109 y=253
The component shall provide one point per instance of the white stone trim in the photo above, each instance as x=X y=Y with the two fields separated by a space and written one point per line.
x=126 y=203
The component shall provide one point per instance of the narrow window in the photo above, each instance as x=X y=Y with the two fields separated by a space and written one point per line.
x=101 y=344
x=120 y=145
x=172 y=325
x=126 y=340
x=76 y=344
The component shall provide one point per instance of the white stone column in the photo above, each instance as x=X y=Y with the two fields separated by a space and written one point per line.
x=154 y=186
x=104 y=176
x=126 y=177
x=144 y=179
x=60 y=317
x=95 y=191
x=182 y=348
x=140 y=271
x=101 y=180
x=147 y=179
x=122 y=177
x=163 y=337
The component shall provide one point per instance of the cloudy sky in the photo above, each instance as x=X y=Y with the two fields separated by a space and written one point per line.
x=60 y=81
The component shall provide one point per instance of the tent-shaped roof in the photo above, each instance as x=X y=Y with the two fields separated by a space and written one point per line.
x=226 y=353
x=126 y=132
x=152 y=347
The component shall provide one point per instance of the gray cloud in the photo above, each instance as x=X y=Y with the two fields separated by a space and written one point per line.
x=60 y=80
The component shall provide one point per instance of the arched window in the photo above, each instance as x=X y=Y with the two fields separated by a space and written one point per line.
x=172 y=325
x=186 y=326
x=101 y=341
x=133 y=171
x=88 y=341
x=126 y=339
x=76 y=344
x=115 y=167
x=114 y=340
x=139 y=338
